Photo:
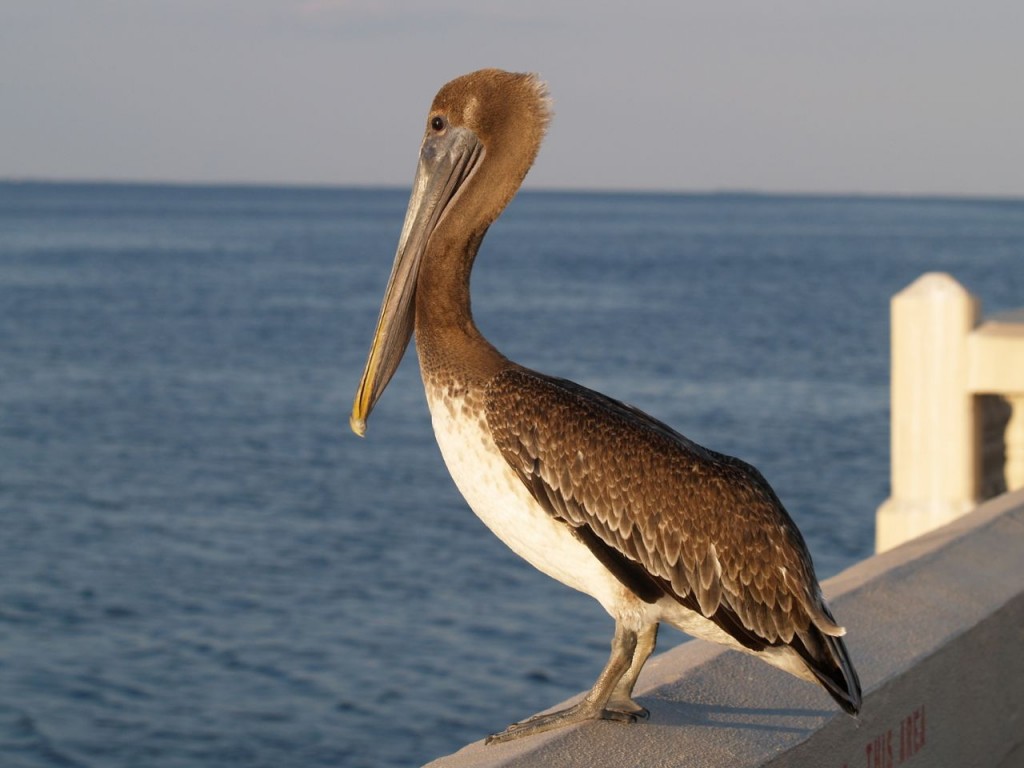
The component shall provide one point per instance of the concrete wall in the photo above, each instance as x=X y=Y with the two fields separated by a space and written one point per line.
x=936 y=629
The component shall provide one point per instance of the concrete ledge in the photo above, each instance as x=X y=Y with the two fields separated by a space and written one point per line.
x=936 y=629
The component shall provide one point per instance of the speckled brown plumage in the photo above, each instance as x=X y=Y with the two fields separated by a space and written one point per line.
x=668 y=516
x=701 y=523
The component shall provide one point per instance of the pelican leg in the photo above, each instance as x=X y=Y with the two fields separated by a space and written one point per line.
x=621 y=699
x=592 y=707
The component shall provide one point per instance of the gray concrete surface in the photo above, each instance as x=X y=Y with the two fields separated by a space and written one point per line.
x=936 y=629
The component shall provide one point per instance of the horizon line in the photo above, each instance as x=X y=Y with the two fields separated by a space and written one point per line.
x=527 y=187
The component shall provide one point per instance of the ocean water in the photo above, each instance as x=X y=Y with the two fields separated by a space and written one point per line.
x=201 y=566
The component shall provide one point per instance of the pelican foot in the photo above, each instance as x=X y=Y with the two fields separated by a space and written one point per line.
x=576 y=714
x=628 y=707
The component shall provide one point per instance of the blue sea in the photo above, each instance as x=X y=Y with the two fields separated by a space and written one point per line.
x=200 y=566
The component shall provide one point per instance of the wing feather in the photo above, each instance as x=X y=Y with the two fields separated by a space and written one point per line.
x=704 y=527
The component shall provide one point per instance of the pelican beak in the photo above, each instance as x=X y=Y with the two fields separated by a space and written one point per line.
x=447 y=159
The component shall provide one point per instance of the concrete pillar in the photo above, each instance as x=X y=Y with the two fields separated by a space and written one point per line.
x=935 y=427
x=996 y=351
x=1014 y=469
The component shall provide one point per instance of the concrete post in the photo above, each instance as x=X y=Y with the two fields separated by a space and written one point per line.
x=935 y=427
x=996 y=351
x=1014 y=470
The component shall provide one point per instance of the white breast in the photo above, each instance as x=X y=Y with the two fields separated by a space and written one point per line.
x=501 y=500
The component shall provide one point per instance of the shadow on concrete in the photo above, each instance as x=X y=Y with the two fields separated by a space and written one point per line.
x=669 y=712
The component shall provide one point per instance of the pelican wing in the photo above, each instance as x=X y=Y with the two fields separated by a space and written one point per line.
x=664 y=514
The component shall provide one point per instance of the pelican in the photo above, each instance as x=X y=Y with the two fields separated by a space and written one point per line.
x=589 y=490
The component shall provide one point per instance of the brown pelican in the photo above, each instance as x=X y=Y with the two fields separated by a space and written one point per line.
x=592 y=492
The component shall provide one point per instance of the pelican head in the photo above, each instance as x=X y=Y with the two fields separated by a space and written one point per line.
x=482 y=135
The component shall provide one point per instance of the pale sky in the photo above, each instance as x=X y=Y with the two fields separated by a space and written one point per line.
x=872 y=96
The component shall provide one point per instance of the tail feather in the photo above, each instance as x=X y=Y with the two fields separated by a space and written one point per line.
x=828 y=660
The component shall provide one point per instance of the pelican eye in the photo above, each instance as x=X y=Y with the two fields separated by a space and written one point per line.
x=437 y=123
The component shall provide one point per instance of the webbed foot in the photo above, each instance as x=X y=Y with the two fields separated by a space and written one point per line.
x=578 y=713
x=628 y=707
x=611 y=696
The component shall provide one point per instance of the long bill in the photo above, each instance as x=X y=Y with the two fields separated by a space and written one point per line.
x=447 y=159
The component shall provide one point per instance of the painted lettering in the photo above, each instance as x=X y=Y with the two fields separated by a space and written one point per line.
x=895 y=746
x=912 y=734
x=879 y=751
